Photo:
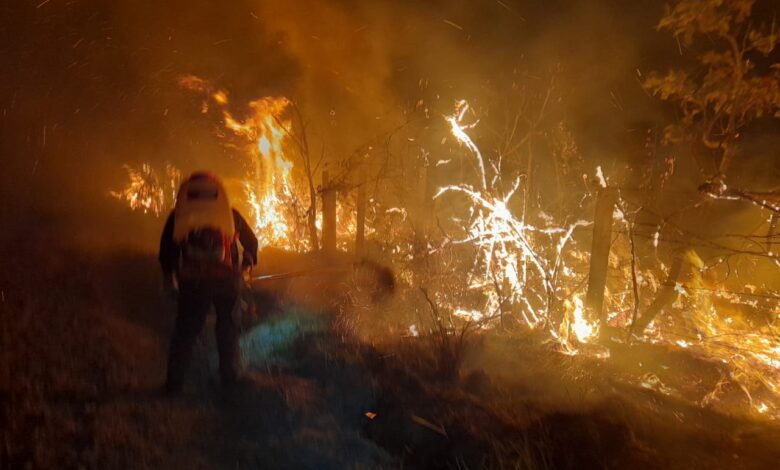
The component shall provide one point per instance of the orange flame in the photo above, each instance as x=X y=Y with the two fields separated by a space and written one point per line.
x=268 y=184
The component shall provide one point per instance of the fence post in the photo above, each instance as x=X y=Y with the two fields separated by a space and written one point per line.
x=360 y=226
x=771 y=233
x=420 y=213
x=599 y=253
x=328 y=214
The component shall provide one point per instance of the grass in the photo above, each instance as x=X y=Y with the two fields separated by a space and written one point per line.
x=83 y=351
x=62 y=355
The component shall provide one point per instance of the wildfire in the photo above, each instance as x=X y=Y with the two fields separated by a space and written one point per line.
x=515 y=265
x=268 y=185
x=506 y=253
x=147 y=192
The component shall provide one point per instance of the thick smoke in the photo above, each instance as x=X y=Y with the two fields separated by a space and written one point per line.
x=87 y=85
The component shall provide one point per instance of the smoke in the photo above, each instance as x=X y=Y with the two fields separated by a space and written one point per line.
x=87 y=86
x=344 y=55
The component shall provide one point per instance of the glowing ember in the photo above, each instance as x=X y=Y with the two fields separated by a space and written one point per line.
x=471 y=315
x=459 y=131
x=506 y=253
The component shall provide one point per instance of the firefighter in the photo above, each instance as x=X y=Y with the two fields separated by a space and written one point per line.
x=205 y=248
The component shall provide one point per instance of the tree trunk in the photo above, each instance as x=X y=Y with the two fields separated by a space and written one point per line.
x=312 y=218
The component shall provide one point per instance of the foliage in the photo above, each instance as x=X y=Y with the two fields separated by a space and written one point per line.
x=734 y=80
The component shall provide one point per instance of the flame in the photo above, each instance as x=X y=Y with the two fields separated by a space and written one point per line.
x=146 y=191
x=507 y=256
x=514 y=263
x=268 y=183
x=575 y=326
x=583 y=329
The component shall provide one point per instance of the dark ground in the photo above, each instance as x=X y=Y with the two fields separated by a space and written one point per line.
x=83 y=350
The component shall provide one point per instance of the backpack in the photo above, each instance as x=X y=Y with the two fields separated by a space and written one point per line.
x=204 y=229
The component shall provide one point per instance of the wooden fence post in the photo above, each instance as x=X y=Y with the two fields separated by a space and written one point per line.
x=360 y=225
x=420 y=214
x=328 y=215
x=599 y=254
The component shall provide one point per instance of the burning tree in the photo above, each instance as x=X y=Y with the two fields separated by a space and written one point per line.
x=489 y=248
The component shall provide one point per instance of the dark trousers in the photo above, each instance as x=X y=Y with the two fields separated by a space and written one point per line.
x=195 y=301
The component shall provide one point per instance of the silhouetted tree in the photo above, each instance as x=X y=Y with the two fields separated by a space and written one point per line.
x=734 y=81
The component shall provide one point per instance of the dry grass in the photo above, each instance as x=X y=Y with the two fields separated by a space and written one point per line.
x=83 y=347
x=70 y=371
